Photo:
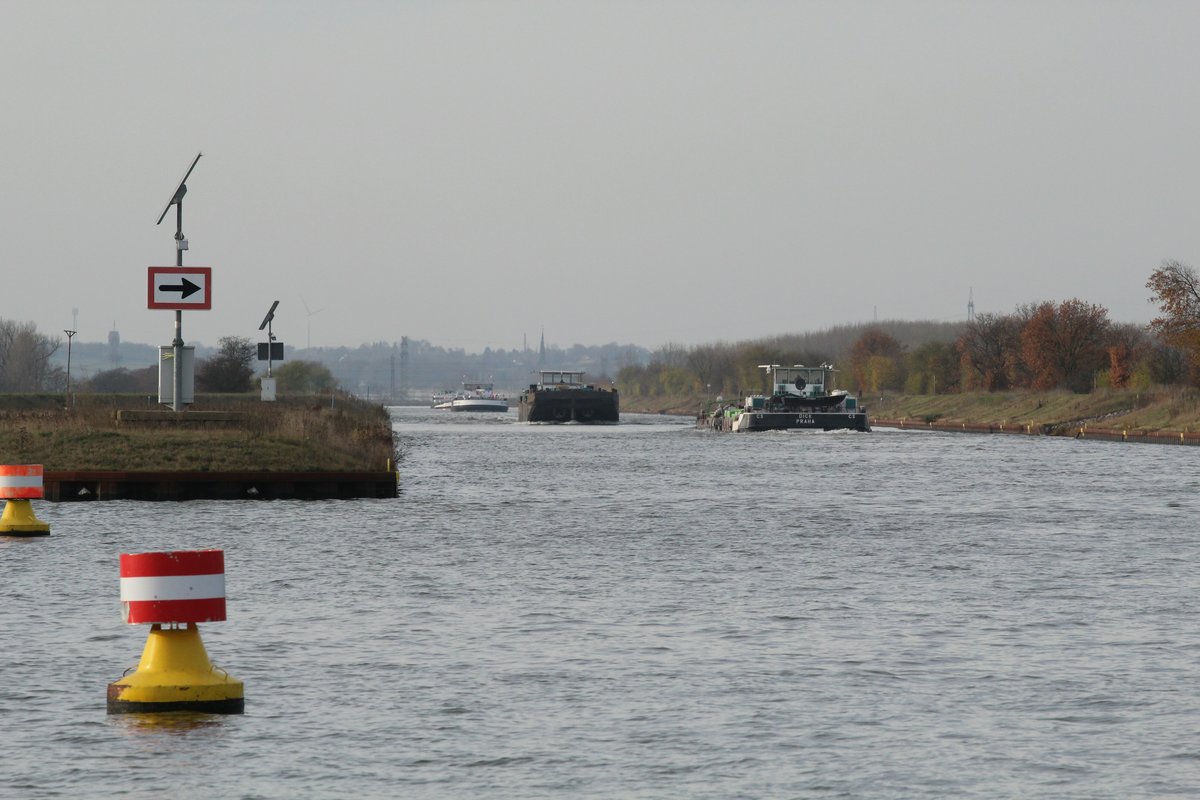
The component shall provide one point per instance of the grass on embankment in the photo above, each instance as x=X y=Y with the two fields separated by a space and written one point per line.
x=1168 y=410
x=1163 y=409
x=294 y=435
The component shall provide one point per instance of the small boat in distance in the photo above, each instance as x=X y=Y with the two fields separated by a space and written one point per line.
x=800 y=400
x=478 y=397
x=562 y=396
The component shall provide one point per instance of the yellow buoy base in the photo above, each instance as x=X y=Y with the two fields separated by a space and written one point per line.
x=18 y=520
x=175 y=674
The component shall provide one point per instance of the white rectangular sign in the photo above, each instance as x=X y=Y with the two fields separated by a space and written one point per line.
x=180 y=288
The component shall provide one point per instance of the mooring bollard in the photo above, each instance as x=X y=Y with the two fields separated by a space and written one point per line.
x=177 y=588
x=18 y=485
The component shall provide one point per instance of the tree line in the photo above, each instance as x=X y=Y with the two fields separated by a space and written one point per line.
x=25 y=366
x=413 y=368
x=1048 y=345
x=1070 y=345
x=229 y=369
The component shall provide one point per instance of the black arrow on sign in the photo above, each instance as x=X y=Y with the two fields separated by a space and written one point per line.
x=185 y=289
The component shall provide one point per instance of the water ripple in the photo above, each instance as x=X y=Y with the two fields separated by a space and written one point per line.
x=645 y=611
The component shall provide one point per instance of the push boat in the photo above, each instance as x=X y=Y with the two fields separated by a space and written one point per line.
x=562 y=396
x=478 y=397
x=800 y=400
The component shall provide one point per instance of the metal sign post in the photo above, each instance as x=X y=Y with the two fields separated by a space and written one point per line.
x=267 y=352
x=266 y=323
x=180 y=245
x=70 y=336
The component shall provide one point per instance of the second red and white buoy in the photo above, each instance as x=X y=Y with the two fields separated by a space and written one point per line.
x=18 y=485
x=174 y=589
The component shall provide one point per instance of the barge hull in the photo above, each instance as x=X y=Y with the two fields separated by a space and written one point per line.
x=569 y=406
x=479 y=407
x=792 y=421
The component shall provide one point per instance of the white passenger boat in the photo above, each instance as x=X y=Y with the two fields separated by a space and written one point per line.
x=478 y=397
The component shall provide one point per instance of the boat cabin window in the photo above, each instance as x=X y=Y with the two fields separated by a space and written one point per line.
x=557 y=377
x=799 y=379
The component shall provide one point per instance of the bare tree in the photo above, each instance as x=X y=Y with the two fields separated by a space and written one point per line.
x=990 y=348
x=228 y=370
x=1167 y=364
x=25 y=358
x=704 y=361
x=671 y=354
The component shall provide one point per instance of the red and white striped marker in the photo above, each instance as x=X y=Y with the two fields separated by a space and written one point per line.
x=21 y=482
x=179 y=586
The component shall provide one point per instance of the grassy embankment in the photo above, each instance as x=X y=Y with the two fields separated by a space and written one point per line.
x=292 y=435
x=1168 y=410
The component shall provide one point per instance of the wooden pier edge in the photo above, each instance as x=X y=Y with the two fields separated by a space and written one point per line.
x=81 y=485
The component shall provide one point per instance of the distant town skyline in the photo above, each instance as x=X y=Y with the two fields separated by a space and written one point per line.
x=466 y=173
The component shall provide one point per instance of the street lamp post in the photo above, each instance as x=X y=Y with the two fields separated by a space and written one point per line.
x=70 y=335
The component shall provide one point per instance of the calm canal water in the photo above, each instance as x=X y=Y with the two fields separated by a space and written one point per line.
x=646 y=611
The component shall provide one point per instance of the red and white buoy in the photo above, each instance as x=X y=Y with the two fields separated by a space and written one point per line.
x=184 y=586
x=179 y=588
x=18 y=485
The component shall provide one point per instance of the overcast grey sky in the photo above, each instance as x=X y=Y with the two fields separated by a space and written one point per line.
x=645 y=172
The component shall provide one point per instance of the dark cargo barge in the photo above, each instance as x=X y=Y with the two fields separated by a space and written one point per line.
x=800 y=400
x=564 y=397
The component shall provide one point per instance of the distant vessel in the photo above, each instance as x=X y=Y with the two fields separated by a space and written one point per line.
x=441 y=400
x=478 y=397
x=800 y=400
x=562 y=396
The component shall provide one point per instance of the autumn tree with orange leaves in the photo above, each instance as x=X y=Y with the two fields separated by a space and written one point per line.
x=1127 y=346
x=1176 y=290
x=1066 y=345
